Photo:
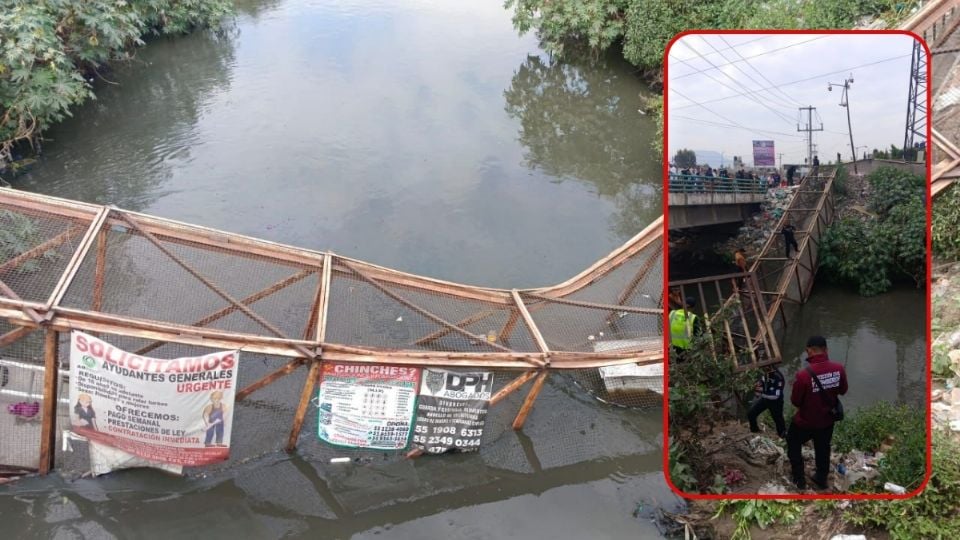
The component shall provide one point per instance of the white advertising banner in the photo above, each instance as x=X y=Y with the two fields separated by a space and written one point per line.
x=367 y=406
x=177 y=411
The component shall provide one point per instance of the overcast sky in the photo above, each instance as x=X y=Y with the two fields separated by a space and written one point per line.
x=698 y=73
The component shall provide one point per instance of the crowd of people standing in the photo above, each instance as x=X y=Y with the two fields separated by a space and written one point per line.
x=703 y=173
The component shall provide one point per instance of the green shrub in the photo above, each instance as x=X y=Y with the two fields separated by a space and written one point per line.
x=931 y=514
x=701 y=390
x=840 y=181
x=760 y=512
x=681 y=474
x=867 y=428
x=644 y=27
x=49 y=49
x=946 y=222
x=873 y=254
x=906 y=462
x=19 y=234
x=942 y=366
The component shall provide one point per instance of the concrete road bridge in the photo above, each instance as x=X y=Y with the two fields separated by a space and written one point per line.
x=696 y=201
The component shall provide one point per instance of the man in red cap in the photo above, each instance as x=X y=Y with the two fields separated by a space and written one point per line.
x=816 y=405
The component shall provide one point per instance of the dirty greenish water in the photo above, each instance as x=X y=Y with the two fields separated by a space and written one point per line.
x=426 y=136
x=880 y=341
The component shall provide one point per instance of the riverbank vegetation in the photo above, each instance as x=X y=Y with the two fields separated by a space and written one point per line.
x=946 y=222
x=931 y=514
x=703 y=391
x=641 y=29
x=875 y=247
x=51 y=52
x=713 y=451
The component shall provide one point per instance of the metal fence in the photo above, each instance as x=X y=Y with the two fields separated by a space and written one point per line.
x=688 y=183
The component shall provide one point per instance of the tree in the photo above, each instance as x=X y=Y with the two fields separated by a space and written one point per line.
x=685 y=158
x=644 y=27
x=50 y=50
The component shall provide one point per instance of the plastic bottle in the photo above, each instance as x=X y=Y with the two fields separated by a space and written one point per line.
x=894 y=488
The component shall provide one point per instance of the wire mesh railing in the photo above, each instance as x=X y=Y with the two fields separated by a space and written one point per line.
x=161 y=288
x=790 y=276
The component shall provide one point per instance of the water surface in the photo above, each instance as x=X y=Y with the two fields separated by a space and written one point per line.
x=879 y=340
x=425 y=136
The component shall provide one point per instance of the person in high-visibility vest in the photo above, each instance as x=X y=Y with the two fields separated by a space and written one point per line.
x=683 y=326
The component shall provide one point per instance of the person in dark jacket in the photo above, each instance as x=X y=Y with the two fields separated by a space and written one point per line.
x=788 y=231
x=769 y=391
x=814 y=418
x=791 y=170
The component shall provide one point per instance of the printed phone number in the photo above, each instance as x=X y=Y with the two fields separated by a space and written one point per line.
x=448 y=430
x=446 y=441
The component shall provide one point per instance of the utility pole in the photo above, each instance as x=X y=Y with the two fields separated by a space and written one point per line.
x=809 y=129
x=916 y=129
x=780 y=157
x=845 y=102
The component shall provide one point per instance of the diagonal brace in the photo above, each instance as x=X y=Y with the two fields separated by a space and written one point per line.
x=220 y=292
x=420 y=310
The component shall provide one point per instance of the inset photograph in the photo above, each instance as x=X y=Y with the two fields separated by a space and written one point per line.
x=798 y=263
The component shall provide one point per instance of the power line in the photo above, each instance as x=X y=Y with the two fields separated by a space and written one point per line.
x=778 y=102
x=820 y=76
x=732 y=46
x=704 y=39
x=751 y=66
x=752 y=130
x=756 y=100
x=753 y=56
x=707 y=108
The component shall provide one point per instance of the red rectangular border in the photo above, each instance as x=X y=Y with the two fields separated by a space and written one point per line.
x=666 y=274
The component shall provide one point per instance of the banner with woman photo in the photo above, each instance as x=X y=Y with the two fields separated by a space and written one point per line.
x=176 y=411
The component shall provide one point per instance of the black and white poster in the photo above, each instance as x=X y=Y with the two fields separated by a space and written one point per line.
x=452 y=410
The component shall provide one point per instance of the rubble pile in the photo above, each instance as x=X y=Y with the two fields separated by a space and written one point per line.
x=945 y=395
x=757 y=230
x=855 y=203
x=764 y=467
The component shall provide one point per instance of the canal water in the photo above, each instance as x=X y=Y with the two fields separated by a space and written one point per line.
x=879 y=340
x=426 y=136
